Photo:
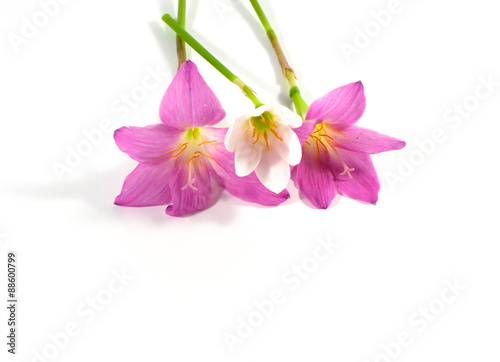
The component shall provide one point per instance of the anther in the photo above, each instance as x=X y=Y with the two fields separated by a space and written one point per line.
x=182 y=148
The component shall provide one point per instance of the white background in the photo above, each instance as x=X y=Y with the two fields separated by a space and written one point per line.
x=194 y=277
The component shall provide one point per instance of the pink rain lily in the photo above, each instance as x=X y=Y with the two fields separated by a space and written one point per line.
x=264 y=142
x=179 y=158
x=336 y=153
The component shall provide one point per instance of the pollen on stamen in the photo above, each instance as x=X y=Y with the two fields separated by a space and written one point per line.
x=274 y=133
x=181 y=148
x=318 y=142
x=265 y=138
x=319 y=129
x=192 y=158
x=201 y=153
x=204 y=142
x=325 y=135
x=258 y=136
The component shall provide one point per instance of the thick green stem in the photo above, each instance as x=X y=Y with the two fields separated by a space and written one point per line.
x=197 y=47
x=300 y=105
x=181 y=20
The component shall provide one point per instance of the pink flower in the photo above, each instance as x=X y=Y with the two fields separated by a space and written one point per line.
x=179 y=157
x=336 y=153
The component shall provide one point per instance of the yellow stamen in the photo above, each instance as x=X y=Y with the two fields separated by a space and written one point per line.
x=319 y=129
x=258 y=136
x=192 y=158
x=325 y=135
x=203 y=155
x=207 y=142
x=265 y=138
x=181 y=148
x=274 y=133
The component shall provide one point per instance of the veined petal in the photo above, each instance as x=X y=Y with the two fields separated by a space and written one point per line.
x=149 y=144
x=354 y=138
x=147 y=185
x=314 y=179
x=191 y=187
x=273 y=171
x=364 y=184
x=247 y=188
x=189 y=102
x=289 y=148
x=303 y=132
x=344 y=105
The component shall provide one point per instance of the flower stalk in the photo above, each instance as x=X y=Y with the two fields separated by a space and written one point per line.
x=288 y=72
x=200 y=49
x=181 y=20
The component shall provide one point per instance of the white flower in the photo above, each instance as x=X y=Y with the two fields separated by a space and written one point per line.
x=263 y=141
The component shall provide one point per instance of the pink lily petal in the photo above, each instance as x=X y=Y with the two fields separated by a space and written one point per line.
x=303 y=132
x=344 y=105
x=364 y=184
x=247 y=188
x=146 y=185
x=354 y=138
x=315 y=181
x=191 y=187
x=149 y=144
x=189 y=102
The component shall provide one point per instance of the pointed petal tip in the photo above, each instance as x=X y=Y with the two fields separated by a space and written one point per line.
x=284 y=194
x=118 y=131
x=119 y=202
x=171 y=211
x=189 y=101
x=188 y=65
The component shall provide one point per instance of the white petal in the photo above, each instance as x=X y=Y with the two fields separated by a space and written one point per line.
x=246 y=158
x=272 y=171
x=289 y=149
x=285 y=116
x=258 y=111
x=235 y=133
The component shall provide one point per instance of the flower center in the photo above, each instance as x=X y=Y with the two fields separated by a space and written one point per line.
x=262 y=125
x=322 y=139
x=194 y=146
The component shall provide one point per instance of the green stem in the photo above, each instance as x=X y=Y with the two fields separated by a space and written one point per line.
x=193 y=43
x=300 y=105
x=181 y=20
